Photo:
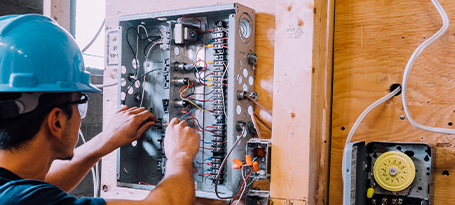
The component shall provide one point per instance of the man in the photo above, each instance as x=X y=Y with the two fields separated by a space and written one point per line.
x=42 y=80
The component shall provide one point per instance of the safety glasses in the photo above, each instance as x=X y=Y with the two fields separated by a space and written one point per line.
x=81 y=105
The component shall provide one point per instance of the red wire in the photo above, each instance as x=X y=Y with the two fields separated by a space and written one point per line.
x=185 y=108
x=190 y=17
x=194 y=122
x=145 y=183
x=206 y=174
x=210 y=30
x=242 y=185
x=206 y=148
x=201 y=71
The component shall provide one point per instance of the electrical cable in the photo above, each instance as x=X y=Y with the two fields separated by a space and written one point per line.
x=132 y=50
x=95 y=176
x=360 y=118
x=154 y=44
x=94 y=38
x=258 y=104
x=181 y=97
x=263 y=122
x=187 y=17
x=132 y=83
x=409 y=65
x=244 y=182
x=106 y=85
x=255 y=125
x=217 y=179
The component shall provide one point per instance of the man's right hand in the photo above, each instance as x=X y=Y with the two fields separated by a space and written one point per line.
x=181 y=141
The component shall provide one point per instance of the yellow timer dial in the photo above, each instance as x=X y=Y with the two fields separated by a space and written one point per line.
x=394 y=171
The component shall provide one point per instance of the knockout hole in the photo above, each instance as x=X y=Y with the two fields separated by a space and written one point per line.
x=395 y=86
x=445 y=173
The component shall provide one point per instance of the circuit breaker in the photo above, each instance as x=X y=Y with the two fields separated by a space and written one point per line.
x=388 y=173
x=194 y=64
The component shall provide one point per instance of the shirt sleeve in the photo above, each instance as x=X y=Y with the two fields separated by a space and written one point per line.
x=24 y=192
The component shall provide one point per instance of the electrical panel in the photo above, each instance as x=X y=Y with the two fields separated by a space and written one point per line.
x=194 y=64
x=386 y=173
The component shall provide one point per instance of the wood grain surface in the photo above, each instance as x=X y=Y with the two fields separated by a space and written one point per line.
x=373 y=40
x=302 y=101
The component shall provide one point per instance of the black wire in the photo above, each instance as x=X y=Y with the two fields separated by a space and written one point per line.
x=199 y=125
x=129 y=44
x=138 y=78
x=139 y=35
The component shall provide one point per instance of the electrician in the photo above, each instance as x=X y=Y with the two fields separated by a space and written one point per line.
x=42 y=101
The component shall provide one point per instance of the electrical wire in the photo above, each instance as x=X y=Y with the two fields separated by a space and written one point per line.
x=217 y=179
x=255 y=125
x=190 y=17
x=95 y=170
x=154 y=44
x=360 y=118
x=132 y=50
x=222 y=95
x=263 y=122
x=94 y=38
x=199 y=50
x=181 y=97
x=107 y=85
x=132 y=83
x=410 y=63
x=244 y=182
x=206 y=159
x=258 y=104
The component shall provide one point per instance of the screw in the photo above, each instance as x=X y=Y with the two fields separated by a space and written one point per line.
x=393 y=171
x=402 y=117
x=105 y=188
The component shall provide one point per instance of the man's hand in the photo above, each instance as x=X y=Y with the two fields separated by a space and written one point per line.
x=127 y=125
x=181 y=141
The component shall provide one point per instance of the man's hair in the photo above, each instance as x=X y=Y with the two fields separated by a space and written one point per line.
x=16 y=132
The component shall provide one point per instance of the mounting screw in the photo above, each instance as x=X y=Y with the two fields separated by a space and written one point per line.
x=240 y=125
x=105 y=188
x=252 y=58
x=393 y=171
x=402 y=117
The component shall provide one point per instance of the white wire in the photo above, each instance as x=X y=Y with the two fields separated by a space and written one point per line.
x=243 y=191
x=94 y=38
x=107 y=85
x=411 y=61
x=153 y=45
x=94 y=174
x=360 y=118
x=143 y=88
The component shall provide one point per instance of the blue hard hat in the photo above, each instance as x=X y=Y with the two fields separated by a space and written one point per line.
x=37 y=55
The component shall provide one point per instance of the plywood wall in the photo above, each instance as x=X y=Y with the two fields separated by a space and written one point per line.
x=373 y=42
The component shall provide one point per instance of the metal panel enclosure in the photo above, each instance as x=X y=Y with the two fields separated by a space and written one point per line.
x=194 y=64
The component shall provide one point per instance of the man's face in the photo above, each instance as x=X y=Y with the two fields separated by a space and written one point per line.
x=71 y=132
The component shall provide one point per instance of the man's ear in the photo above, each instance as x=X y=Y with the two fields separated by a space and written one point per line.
x=56 y=122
